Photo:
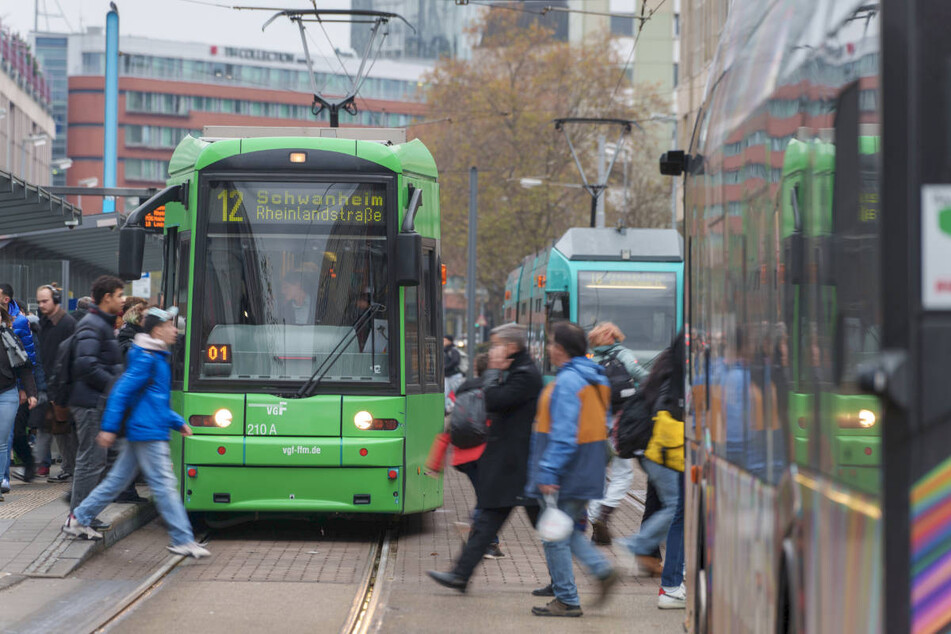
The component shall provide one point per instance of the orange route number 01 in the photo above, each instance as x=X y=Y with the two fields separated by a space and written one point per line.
x=218 y=353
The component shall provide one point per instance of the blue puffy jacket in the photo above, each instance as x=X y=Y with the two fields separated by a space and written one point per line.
x=21 y=328
x=145 y=387
x=569 y=441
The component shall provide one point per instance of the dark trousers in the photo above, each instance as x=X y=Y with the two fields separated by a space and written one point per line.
x=485 y=527
x=21 y=438
x=471 y=469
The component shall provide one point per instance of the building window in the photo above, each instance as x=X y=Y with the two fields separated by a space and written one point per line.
x=145 y=170
x=152 y=136
x=676 y=69
x=676 y=25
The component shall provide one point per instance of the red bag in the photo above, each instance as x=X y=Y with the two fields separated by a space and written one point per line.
x=436 y=461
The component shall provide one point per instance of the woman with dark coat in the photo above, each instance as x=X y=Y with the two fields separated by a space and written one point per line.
x=511 y=386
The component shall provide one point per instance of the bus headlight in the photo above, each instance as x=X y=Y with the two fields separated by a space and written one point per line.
x=866 y=418
x=223 y=418
x=363 y=420
x=862 y=419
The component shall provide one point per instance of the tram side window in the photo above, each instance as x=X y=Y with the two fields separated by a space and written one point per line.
x=180 y=299
x=411 y=307
x=430 y=319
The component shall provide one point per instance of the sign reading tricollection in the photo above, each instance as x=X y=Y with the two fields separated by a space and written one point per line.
x=936 y=247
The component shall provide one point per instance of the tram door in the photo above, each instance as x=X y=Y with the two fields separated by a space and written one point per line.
x=913 y=373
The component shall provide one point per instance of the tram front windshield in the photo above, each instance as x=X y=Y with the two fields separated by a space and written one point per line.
x=294 y=280
x=642 y=304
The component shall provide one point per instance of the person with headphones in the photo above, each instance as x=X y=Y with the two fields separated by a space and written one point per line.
x=55 y=326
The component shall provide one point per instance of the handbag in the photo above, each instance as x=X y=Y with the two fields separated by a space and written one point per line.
x=16 y=353
x=554 y=525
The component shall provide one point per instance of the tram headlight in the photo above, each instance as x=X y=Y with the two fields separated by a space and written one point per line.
x=363 y=420
x=223 y=417
x=866 y=418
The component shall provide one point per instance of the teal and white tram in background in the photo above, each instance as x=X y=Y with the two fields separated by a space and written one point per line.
x=632 y=277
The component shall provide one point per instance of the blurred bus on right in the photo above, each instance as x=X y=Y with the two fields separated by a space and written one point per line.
x=818 y=304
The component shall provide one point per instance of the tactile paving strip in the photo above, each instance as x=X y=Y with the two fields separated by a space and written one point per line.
x=26 y=497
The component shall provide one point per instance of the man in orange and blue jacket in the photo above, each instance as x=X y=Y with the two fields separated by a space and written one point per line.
x=568 y=460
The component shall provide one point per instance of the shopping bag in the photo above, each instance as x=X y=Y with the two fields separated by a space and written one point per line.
x=554 y=525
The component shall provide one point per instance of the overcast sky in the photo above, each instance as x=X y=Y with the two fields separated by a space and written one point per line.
x=186 y=20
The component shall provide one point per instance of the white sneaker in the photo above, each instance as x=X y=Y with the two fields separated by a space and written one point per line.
x=74 y=528
x=672 y=598
x=191 y=549
x=4 y=486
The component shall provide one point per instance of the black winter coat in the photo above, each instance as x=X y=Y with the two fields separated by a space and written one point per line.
x=51 y=335
x=510 y=402
x=96 y=358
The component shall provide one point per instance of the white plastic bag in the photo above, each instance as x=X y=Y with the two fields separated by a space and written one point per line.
x=554 y=525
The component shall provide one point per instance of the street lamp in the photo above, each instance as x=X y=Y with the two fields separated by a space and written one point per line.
x=92 y=181
x=37 y=140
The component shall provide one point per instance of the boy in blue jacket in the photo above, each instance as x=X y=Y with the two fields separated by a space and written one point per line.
x=143 y=392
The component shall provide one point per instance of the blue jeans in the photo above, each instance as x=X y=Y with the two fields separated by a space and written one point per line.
x=673 y=574
x=9 y=404
x=667 y=483
x=558 y=555
x=154 y=459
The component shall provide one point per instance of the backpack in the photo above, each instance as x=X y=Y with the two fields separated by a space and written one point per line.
x=60 y=383
x=620 y=380
x=632 y=432
x=467 y=423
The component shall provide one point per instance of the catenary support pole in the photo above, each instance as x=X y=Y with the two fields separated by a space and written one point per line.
x=471 y=282
x=602 y=180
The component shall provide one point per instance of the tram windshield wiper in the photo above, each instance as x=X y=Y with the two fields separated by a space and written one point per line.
x=307 y=389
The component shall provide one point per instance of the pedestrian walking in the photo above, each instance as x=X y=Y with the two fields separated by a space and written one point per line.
x=452 y=369
x=56 y=325
x=14 y=367
x=568 y=459
x=466 y=459
x=82 y=308
x=139 y=407
x=664 y=458
x=21 y=328
x=624 y=375
x=511 y=387
x=96 y=364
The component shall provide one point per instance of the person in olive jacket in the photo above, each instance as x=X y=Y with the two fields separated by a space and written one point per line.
x=511 y=386
x=97 y=363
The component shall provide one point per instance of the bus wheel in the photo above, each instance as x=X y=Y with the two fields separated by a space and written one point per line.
x=700 y=603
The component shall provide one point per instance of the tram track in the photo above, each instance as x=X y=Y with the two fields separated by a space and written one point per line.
x=360 y=616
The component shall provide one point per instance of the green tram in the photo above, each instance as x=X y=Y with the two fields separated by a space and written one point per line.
x=306 y=272
x=839 y=301
x=632 y=277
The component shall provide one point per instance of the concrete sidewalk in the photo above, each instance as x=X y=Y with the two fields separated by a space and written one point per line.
x=499 y=594
x=31 y=543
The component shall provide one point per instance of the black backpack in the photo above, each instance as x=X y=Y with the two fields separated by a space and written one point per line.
x=634 y=427
x=60 y=382
x=620 y=380
x=467 y=423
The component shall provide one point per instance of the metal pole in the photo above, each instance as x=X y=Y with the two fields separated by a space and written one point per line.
x=471 y=282
x=673 y=188
x=111 y=121
x=599 y=216
x=594 y=208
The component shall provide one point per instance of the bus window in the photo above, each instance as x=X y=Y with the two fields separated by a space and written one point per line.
x=429 y=309
x=411 y=321
x=180 y=299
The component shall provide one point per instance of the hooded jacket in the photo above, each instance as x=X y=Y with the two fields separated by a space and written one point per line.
x=21 y=327
x=143 y=392
x=569 y=441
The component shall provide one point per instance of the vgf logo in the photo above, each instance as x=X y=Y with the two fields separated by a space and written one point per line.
x=277 y=410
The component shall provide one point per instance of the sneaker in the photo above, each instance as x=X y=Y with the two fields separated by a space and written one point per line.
x=191 y=549
x=494 y=552
x=672 y=598
x=74 y=528
x=557 y=608
x=59 y=478
x=547 y=591
x=99 y=525
x=4 y=486
x=43 y=471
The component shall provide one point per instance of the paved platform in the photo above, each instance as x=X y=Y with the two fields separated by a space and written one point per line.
x=499 y=594
x=31 y=543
